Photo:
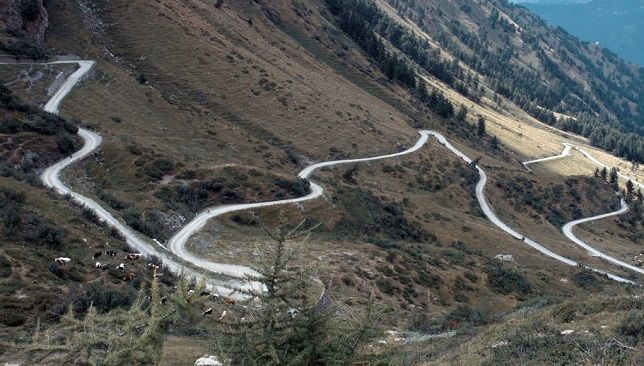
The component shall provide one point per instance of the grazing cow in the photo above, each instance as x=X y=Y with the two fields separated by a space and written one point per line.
x=98 y=265
x=129 y=277
x=164 y=300
x=229 y=301
x=62 y=261
x=111 y=252
x=205 y=293
x=223 y=314
x=120 y=266
x=207 y=312
x=97 y=255
x=191 y=292
x=132 y=257
x=292 y=312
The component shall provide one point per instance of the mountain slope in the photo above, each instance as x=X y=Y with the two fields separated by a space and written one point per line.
x=544 y=71
x=202 y=104
x=615 y=25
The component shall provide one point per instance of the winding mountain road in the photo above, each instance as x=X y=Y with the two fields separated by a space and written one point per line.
x=176 y=244
x=567 y=228
x=564 y=153
x=51 y=178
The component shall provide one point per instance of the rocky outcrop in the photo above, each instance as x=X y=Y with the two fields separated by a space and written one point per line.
x=26 y=22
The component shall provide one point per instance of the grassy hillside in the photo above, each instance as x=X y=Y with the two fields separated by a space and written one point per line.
x=203 y=103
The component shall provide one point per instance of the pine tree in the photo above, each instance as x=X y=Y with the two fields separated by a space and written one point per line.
x=494 y=143
x=630 y=189
x=119 y=337
x=604 y=174
x=481 y=126
x=613 y=177
x=462 y=114
x=596 y=174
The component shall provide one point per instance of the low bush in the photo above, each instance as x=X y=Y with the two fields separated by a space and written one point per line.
x=586 y=279
x=632 y=327
x=12 y=318
x=5 y=267
x=373 y=218
x=24 y=48
x=538 y=344
x=465 y=315
x=505 y=281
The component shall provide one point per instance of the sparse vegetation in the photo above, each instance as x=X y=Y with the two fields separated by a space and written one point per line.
x=505 y=280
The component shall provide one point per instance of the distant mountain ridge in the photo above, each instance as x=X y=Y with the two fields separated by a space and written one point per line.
x=615 y=24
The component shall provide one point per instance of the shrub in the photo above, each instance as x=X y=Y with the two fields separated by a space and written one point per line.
x=5 y=267
x=586 y=279
x=376 y=218
x=12 y=318
x=112 y=201
x=66 y=144
x=387 y=286
x=23 y=48
x=471 y=276
x=158 y=168
x=632 y=326
x=245 y=218
x=103 y=296
x=538 y=344
x=464 y=314
x=50 y=236
x=504 y=280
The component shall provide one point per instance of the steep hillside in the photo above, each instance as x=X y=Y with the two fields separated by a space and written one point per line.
x=553 y=76
x=202 y=104
x=615 y=25
x=24 y=25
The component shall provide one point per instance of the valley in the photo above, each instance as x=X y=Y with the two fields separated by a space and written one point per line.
x=198 y=133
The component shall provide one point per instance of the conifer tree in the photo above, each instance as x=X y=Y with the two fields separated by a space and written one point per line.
x=494 y=143
x=630 y=189
x=613 y=177
x=604 y=174
x=287 y=322
x=481 y=126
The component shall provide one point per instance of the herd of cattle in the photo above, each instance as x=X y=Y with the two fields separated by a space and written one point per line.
x=131 y=257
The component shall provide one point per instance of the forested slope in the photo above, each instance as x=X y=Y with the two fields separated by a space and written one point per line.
x=562 y=81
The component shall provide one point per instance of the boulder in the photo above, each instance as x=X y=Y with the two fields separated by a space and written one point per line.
x=208 y=360
x=505 y=257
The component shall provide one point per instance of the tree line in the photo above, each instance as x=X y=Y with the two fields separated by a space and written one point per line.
x=605 y=109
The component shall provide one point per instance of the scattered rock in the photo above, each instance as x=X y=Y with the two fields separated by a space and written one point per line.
x=564 y=280
x=208 y=360
x=500 y=344
x=567 y=331
x=505 y=257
